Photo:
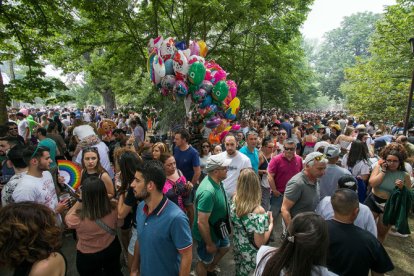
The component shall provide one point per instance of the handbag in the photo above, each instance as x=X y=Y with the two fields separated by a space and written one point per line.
x=105 y=227
x=222 y=227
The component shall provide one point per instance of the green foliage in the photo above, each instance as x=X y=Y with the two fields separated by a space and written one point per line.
x=378 y=85
x=340 y=49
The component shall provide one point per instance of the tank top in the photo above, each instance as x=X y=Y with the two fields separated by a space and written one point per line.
x=388 y=182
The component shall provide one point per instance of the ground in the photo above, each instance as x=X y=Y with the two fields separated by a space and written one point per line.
x=401 y=251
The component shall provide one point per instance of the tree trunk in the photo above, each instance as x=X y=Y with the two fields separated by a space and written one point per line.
x=3 y=102
x=109 y=101
x=14 y=103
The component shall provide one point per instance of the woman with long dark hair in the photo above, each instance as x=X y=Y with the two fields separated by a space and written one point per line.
x=127 y=203
x=30 y=240
x=95 y=220
x=92 y=167
x=303 y=251
x=357 y=162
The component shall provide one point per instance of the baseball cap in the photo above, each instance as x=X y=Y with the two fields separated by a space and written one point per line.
x=348 y=181
x=215 y=162
x=313 y=156
x=361 y=126
x=332 y=151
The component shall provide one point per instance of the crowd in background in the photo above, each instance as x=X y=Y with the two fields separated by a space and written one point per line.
x=150 y=195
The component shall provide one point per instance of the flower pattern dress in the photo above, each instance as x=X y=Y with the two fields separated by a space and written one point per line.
x=244 y=252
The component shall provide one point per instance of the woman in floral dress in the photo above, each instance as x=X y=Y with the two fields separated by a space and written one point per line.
x=252 y=225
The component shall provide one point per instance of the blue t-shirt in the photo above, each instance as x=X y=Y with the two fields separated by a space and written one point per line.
x=51 y=145
x=288 y=127
x=253 y=156
x=186 y=160
x=160 y=236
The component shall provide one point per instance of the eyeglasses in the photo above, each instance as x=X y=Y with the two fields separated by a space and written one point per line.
x=392 y=161
x=290 y=149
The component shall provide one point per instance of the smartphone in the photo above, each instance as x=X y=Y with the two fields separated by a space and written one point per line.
x=73 y=193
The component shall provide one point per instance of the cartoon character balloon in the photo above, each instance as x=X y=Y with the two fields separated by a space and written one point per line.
x=168 y=82
x=220 y=91
x=159 y=69
x=196 y=73
x=180 y=88
x=180 y=65
x=203 y=48
x=154 y=44
x=194 y=48
x=167 y=48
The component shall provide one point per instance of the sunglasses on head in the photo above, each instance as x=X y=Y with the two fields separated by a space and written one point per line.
x=87 y=149
x=317 y=158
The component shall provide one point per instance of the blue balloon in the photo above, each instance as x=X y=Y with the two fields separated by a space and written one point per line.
x=206 y=102
x=180 y=45
x=169 y=69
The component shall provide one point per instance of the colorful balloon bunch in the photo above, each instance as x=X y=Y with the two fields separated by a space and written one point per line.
x=178 y=71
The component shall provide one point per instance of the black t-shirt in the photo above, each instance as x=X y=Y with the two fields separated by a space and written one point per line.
x=354 y=251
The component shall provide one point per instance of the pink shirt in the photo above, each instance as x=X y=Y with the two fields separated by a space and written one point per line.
x=91 y=237
x=283 y=170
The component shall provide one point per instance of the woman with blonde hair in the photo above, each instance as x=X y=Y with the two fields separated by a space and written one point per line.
x=252 y=225
x=158 y=149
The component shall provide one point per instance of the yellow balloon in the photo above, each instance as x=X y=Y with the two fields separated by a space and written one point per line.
x=203 y=48
x=234 y=105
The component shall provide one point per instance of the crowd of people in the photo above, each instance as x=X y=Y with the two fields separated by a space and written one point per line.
x=339 y=184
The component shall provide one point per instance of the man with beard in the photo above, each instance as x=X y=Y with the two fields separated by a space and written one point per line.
x=37 y=185
x=164 y=242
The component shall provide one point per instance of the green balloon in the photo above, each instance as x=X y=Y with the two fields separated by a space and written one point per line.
x=220 y=91
x=196 y=73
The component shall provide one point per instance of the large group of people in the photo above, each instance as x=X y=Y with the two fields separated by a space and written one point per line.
x=339 y=185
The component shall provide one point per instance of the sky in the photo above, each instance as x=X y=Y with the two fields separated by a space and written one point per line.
x=328 y=14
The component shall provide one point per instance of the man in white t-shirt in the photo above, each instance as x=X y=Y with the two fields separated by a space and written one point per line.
x=23 y=126
x=103 y=151
x=238 y=162
x=37 y=185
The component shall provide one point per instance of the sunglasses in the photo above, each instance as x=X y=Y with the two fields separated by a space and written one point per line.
x=290 y=149
x=317 y=158
x=87 y=149
x=12 y=128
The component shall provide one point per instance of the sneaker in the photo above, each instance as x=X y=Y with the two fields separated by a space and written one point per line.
x=397 y=234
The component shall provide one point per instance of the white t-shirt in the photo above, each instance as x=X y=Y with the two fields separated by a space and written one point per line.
x=316 y=270
x=361 y=167
x=66 y=122
x=364 y=220
x=103 y=156
x=22 y=128
x=238 y=162
x=40 y=190
x=86 y=117
x=83 y=131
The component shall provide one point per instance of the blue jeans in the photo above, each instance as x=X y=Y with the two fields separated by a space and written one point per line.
x=276 y=205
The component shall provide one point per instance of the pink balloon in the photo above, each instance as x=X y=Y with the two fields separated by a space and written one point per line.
x=218 y=76
x=235 y=127
x=194 y=48
x=232 y=88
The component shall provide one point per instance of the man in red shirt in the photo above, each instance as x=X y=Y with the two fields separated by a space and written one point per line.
x=280 y=170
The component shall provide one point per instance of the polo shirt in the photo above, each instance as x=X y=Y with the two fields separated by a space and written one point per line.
x=303 y=193
x=284 y=169
x=161 y=236
x=253 y=156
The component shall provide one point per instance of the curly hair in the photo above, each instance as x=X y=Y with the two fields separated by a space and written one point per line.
x=28 y=232
x=397 y=150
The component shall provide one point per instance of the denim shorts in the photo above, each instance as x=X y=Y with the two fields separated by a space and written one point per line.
x=206 y=257
x=132 y=241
